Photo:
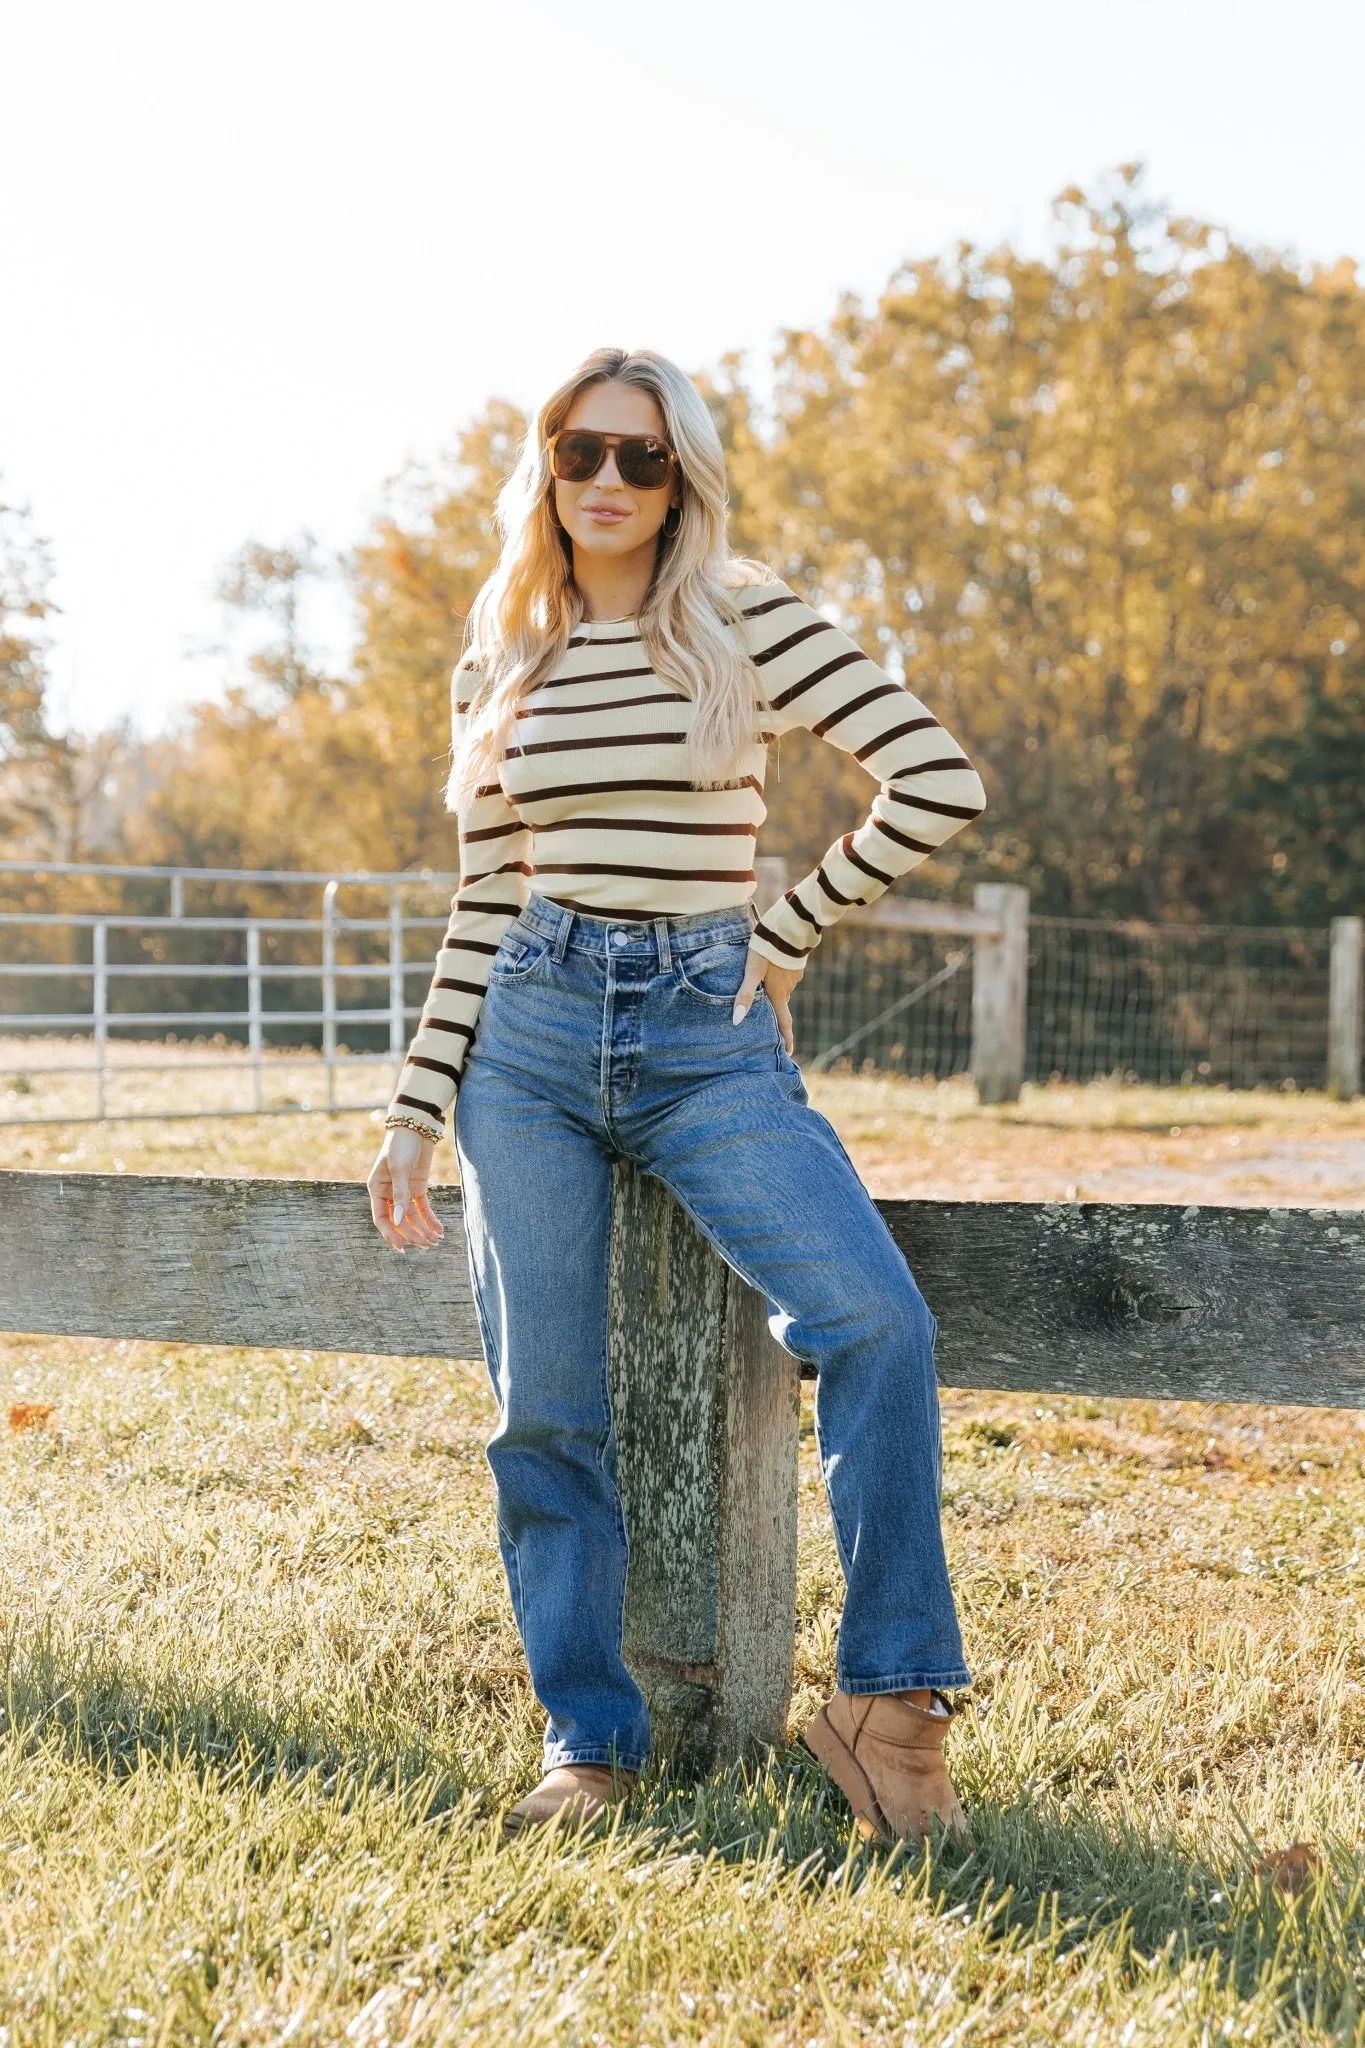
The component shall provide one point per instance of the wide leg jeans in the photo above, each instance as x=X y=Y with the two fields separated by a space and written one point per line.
x=601 y=1039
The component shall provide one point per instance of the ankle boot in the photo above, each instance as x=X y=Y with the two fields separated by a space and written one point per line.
x=886 y=1756
x=574 y=1795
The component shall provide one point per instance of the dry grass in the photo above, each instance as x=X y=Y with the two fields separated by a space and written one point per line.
x=1095 y=1143
x=264 y=1698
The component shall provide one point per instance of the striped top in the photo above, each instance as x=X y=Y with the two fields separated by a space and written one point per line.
x=592 y=809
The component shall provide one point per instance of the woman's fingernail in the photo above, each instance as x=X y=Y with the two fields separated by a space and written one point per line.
x=739 y=1013
x=397 y=1214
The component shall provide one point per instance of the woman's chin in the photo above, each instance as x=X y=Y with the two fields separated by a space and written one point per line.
x=610 y=540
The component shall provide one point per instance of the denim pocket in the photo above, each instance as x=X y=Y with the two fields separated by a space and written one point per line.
x=715 y=973
x=519 y=954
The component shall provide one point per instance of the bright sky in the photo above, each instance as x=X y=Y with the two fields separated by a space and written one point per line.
x=256 y=257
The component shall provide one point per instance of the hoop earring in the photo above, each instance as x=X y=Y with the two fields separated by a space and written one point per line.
x=673 y=515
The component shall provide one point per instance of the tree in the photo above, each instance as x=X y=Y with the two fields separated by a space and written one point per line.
x=297 y=768
x=1100 y=512
x=27 y=748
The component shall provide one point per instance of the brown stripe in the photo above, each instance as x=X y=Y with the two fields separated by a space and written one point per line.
x=902 y=838
x=606 y=867
x=416 y=1059
x=427 y=1108
x=761 y=931
x=539 y=796
x=925 y=767
x=457 y=945
x=591 y=640
x=616 y=739
x=579 y=710
x=898 y=732
x=491 y=909
x=847 y=710
x=598 y=675
x=644 y=825
x=801 y=910
x=924 y=803
x=509 y=867
x=468 y=988
x=463 y=1030
x=780 y=647
x=856 y=860
x=833 y=894
x=493 y=831
x=614 y=915
x=830 y=668
x=771 y=604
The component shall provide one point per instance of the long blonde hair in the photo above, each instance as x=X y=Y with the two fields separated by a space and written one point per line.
x=524 y=614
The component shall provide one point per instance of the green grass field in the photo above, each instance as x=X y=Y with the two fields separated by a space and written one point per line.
x=264 y=1703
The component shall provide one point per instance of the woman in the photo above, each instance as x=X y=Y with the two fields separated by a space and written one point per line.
x=604 y=990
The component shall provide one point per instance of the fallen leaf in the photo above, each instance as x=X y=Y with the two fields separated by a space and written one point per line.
x=1289 y=1869
x=29 y=1414
x=359 y=1431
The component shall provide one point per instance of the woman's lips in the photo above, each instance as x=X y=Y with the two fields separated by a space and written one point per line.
x=606 y=515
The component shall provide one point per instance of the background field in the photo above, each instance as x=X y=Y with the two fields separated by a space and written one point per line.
x=264 y=1701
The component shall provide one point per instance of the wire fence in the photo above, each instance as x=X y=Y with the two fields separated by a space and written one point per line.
x=273 y=993
x=1217 y=1004
x=886 y=1002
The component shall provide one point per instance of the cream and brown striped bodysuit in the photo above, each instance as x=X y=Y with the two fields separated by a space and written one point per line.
x=592 y=810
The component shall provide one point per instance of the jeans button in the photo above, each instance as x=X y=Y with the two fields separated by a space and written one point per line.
x=619 y=939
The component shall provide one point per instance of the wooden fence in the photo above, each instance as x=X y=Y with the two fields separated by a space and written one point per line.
x=1258 y=1305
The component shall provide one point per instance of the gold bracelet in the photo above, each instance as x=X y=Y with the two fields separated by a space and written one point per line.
x=410 y=1123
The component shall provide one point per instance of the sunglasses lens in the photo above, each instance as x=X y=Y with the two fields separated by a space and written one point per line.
x=643 y=462
x=578 y=457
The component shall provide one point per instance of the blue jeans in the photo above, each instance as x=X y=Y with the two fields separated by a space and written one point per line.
x=601 y=1039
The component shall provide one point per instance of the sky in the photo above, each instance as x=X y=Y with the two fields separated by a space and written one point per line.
x=257 y=258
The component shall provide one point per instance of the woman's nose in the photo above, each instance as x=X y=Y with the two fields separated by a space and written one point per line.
x=608 y=474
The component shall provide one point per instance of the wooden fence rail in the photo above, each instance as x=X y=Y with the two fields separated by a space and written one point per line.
x=1260 y=1305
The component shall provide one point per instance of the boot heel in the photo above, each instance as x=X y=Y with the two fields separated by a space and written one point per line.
x=835 y=1757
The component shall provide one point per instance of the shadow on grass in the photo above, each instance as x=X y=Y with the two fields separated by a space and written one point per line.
x=1070 y=1880
x=1066 y=1880
x=112 y=1719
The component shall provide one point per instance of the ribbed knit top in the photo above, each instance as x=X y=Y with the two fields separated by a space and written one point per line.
x=592 y=809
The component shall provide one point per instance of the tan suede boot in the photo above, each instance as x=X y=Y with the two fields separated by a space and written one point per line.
x=573 y=1795
x=886 y=1756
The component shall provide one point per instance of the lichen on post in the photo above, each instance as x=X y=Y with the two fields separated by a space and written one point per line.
x=706 y=1410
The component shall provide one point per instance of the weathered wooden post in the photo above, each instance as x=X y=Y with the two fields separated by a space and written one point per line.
x=1344 y=1008
x=1000 y=993
x=706 y=1407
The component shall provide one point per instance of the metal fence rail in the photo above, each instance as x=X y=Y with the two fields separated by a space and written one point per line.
x=121 y=963
x=245 y=971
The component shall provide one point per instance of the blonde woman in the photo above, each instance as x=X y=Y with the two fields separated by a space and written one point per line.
x=605 y=990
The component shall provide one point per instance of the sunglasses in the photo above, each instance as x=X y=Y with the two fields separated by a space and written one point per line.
x=576 y=455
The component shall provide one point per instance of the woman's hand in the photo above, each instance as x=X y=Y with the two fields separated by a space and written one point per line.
x=398 y=1190
x=779 y=982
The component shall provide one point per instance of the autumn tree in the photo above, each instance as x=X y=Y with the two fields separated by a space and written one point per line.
x=1104 y=513
x=1103 y=509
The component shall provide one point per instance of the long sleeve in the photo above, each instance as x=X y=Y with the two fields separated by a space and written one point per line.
x=815 y=676
x=494 y=880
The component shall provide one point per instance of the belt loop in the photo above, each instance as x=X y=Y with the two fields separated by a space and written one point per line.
x=661 y=940
x=562 y=937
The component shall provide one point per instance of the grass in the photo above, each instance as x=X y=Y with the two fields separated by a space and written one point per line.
x=263 y=1701
x=1096 y=1143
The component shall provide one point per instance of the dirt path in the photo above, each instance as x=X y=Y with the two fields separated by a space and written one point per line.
x=1101 y=1144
